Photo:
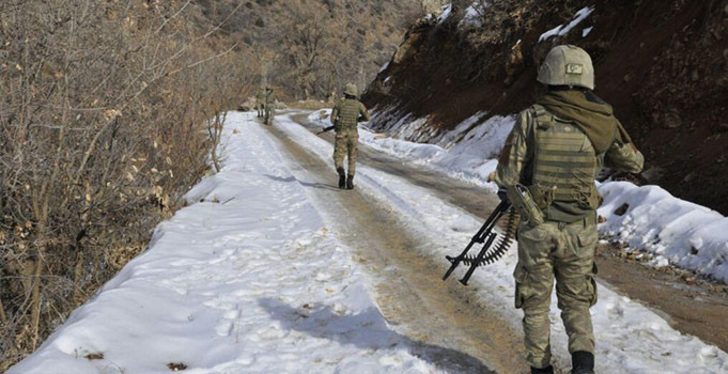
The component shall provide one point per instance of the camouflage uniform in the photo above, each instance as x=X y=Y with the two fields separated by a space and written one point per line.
x=345 y=116
x=555 y=149
x=260 y=102
x=270 y=99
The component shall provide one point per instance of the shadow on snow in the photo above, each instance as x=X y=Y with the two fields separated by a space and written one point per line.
x=366 y=330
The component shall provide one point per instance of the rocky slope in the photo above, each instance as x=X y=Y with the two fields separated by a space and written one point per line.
x=662 y=64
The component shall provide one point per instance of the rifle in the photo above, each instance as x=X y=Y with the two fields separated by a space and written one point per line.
x=325 y=130
x=487 y=255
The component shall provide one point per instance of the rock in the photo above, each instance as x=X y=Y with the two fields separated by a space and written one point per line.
x=406 y=49
x=622 y=209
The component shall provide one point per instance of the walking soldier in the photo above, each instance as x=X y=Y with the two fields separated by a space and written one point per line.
x=260 y=102
x=345 y=116
x=270 y=99
x=547 y=170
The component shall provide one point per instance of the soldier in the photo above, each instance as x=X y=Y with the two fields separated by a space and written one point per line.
x=547 y=169
x=345 y=116
x=270 y=99
x=260 y=102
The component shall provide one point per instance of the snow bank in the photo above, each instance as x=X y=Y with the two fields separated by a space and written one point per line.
x=245 y=280
x=674 y=231
x=467 y=152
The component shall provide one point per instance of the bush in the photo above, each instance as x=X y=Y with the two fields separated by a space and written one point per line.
x=103 y=124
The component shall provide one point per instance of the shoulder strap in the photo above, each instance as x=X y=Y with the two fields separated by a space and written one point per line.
x=541 y=116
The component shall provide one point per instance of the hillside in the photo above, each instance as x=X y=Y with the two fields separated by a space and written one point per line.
x=662 y=65
x=310 y=48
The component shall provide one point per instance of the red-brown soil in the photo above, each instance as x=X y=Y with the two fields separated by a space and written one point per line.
x=662 y=64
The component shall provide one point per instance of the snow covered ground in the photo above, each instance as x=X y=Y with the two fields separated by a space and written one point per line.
x=630 y=338
x=248 y=279
x=673 y=231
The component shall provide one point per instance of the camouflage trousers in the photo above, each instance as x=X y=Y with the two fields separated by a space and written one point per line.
x=346 y=145
x=564 y=252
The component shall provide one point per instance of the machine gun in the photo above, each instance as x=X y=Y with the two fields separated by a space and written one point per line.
x=487 y=254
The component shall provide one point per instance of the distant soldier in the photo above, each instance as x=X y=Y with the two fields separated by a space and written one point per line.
x=269 y=102
x=260 y=102
x=345 y=116
x=547 y=170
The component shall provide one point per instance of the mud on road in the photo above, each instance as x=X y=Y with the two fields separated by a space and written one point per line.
x=689 y=304
x=445 y=322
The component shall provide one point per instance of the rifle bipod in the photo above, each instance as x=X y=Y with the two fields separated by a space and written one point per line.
x=487 y=255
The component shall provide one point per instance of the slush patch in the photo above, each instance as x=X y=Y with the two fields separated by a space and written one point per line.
x=575 y=69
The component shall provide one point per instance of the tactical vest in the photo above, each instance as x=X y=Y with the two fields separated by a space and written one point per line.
x=564 y=166
x=348 y=115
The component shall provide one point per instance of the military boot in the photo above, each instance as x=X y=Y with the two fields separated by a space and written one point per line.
x=342 y=178
x=350 y=182
x=547 y=370
x=582 y=362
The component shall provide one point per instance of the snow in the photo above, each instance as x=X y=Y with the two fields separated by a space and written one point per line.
x=586 y=31
x=384 y=67
x=245 y=279
x=630 y=338
x=562 y=30
x=472 y=16
x=249 y=279
x=467 y=152
x=446 y=11
x=673 y=231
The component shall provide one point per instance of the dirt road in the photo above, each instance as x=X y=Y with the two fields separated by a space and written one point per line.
x=461 y=334
x=690 y=305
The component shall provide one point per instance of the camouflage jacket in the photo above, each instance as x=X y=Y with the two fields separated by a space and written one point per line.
x=347 y=113
x=572 y=174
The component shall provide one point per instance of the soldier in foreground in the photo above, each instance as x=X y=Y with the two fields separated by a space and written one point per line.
x=345 y=116
x=547 y=170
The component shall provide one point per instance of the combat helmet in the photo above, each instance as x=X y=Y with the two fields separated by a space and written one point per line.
x=567 y=65
x=350 y=89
